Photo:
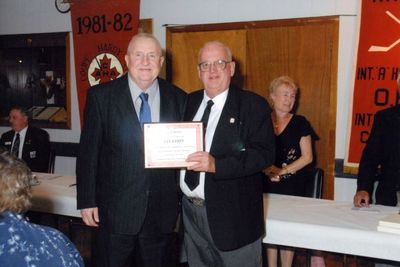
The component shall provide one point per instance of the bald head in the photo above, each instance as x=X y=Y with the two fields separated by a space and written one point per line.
x=144 y=60
x=141 y=36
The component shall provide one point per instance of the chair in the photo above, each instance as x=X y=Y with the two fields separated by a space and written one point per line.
x=314 y=183
x=52 y=159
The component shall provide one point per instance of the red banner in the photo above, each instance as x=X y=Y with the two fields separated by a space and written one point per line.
x=377 y=68
x=101 y=30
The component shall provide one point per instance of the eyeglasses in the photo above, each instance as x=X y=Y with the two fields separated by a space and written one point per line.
x=219 y=65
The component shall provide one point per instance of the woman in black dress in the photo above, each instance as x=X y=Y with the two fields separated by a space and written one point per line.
x=293 y=153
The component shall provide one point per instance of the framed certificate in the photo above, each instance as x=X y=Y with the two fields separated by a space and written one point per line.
x=167 y=145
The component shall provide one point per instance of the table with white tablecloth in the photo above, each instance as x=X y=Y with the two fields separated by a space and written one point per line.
x=292 y=221
x=55 y=194
x=330 y=226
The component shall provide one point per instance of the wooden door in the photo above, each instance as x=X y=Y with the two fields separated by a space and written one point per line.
x=305 y=49
x=308 y=54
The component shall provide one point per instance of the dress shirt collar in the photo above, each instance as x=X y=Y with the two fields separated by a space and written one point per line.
x=136 y=91
x=22 y=134
x=219 y=100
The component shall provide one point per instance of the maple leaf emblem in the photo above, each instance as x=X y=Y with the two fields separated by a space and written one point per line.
x=103 y=71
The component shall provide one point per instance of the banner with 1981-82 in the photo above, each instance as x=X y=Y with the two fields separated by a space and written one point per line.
x=101 y=30
x=377 y=69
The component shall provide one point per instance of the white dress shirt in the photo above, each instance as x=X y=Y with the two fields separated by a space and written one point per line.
x=215 y=114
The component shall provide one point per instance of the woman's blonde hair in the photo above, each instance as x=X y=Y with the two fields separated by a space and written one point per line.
x=282 y=80
x=15 y=189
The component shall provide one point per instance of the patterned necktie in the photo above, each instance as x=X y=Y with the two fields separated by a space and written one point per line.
x=15 y=147
x=191 y=177
x=145 y=113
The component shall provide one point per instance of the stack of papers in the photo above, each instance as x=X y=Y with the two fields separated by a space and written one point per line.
x=390 y=224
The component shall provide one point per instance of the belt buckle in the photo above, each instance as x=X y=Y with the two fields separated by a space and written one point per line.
x=197 y=201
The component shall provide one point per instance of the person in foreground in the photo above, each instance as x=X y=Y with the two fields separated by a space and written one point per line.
x=135 y=208
x=222 y=188
x=293 y=154
x=26 y=142
x=382 y=150
x=23 y=243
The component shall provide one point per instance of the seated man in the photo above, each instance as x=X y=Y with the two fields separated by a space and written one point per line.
x=26 y=142
x=23 y=243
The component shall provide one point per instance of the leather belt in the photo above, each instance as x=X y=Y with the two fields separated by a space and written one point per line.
x=197 y=201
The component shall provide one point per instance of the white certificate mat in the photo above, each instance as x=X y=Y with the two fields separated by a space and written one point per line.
x=167 y=145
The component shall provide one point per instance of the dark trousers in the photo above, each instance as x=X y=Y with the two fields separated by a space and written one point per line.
x=148 y=248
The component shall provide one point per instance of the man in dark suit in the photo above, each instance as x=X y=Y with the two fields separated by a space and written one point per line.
x=223 y=210
x=382 y=149
x=26 y=142
x=135 y=208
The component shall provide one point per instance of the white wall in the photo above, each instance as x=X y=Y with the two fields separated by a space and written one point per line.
x=27 y=16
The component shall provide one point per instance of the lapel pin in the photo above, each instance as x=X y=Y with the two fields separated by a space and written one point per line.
x=232 y=120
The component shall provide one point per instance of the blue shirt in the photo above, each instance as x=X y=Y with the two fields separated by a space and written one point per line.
x=26 y=244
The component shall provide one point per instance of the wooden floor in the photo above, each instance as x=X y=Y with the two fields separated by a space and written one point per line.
x=82 y=237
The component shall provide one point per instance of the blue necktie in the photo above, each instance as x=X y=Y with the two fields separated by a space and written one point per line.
x=192 y=178
x=145 y=113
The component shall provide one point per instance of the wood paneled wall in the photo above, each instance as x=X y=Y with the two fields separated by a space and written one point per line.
x=305 y=49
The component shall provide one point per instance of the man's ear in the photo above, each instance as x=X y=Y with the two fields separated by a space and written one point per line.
x=233 y=65
x=162 y=59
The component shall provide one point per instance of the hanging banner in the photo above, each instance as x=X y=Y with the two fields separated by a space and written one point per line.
x=101 y=31
x=376 y=72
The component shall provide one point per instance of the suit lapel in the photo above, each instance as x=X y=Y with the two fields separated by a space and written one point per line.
x=27 y=143
x=228 y=122
x=28 y=136
x=125 y=102
x=9 y=139
x=167 y=104
x=193 y=105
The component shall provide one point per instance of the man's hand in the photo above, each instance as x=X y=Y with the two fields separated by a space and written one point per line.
x=201 y=161
x=361 y=199
x=90 y=216
x=273 y=173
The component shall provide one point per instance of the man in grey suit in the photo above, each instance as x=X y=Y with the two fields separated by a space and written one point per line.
x=135 y=208
x=223 y=202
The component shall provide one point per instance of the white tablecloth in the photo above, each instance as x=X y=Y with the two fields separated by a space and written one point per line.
x=292 y=221
x=55 y=194
x=330 y=226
